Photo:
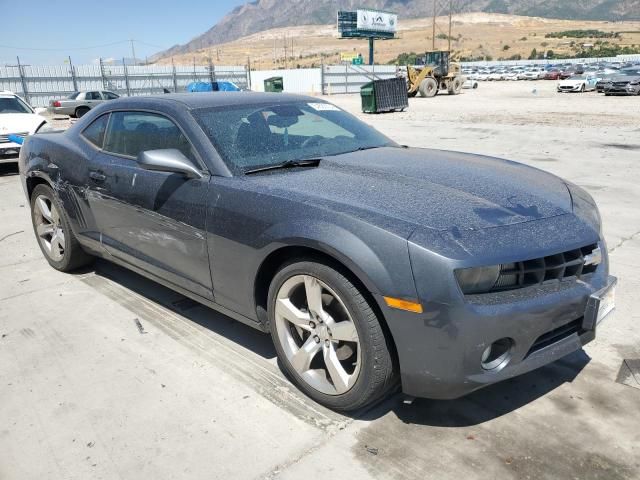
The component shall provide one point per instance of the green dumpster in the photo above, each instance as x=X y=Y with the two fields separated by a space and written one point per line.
x=389 y=95
x=368 y=97
x=273 y=84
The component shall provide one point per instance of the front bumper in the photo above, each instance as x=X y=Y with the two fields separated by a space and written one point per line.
x=569 y=88
x=622 y=90
x=9 y=152
x=440 y=351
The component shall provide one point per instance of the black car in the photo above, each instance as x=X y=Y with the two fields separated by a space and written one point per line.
x=372 y=265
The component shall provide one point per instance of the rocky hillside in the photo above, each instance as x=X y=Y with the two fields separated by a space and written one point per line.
x=262 y=15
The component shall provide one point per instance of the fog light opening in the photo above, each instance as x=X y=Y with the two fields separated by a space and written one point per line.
x=497 y=355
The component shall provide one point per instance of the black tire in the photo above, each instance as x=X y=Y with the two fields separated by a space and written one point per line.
x=378 y=372
x=74 y=256
x=81 y=112
x=428 y=87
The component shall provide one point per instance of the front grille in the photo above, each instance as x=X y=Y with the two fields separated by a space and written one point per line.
x=620 y=84
x=556 y=335
x=4 y=138
x=553 y=268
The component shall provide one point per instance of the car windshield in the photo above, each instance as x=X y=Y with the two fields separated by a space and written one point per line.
x=254 y=136
x=579 y=77
x=13 y=105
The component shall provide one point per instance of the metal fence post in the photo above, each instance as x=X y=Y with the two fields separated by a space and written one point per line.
x=73 y=76
x=248 y=73
x=126 y=77
x=102 y=75
x=346 y=78
x=175 y=80
x=23 y=81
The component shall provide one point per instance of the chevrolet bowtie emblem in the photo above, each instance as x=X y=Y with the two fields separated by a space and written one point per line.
x=594 y=258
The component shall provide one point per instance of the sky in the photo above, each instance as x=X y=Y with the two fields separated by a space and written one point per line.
x=46 y=32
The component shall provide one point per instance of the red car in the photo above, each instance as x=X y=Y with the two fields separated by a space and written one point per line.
x=571 y=71
x=552 y=75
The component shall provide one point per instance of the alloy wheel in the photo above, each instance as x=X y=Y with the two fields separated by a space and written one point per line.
x=48 y=224
x=317 y=334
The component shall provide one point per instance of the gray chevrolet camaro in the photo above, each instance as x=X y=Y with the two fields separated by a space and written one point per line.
x=372 y=265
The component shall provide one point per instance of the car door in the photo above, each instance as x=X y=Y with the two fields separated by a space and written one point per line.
x=93 y=99
x=152 y=220
x=109 y=95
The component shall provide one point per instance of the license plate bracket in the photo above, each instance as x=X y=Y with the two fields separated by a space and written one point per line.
x=600 y=305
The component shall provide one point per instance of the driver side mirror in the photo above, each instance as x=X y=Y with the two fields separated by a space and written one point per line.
x=168 y=160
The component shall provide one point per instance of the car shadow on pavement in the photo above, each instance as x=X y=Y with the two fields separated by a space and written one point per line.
x=241 y=334
x=478 y=407
x=488 y=403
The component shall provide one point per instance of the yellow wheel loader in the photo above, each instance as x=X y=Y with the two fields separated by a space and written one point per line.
x=437 y=73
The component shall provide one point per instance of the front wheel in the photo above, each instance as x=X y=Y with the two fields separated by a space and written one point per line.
x=55 y=237
x=328 y=338
x=428 y=87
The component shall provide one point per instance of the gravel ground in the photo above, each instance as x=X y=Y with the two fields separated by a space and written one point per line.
x=104 y=374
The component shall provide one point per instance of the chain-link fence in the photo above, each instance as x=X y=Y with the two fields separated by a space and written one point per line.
x=40 y=84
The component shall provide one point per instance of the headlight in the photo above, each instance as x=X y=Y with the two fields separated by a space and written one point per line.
x=584 y=206
x=477 y=279
x=45 y=127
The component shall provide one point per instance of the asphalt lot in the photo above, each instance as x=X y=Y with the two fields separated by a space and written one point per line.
x=104 y=374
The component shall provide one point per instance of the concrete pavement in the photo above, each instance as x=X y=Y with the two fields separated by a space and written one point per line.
x=104 y=374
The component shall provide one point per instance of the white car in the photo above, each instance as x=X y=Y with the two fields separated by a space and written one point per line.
x=533 y=74
x=16 y=118
x=470 y=83
x=578 y=83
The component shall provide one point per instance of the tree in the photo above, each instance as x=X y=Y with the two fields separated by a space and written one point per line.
x=506 y=47
x=534 y=54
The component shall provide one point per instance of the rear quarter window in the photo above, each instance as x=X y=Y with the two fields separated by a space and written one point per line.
x=94 y=133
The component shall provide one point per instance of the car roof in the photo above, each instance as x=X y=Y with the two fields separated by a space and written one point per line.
x=197 y=100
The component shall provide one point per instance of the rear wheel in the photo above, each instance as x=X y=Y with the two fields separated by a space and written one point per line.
x=55 y=237
x=328 y=339
x=428 y=87
x=81 y=112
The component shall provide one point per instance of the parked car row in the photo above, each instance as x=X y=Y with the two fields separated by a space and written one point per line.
x=605 y=77
x=545 y=72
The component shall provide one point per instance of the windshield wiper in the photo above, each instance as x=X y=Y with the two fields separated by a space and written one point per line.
x=308 y=162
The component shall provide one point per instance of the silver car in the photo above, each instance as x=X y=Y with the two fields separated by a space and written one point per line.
x=79 y=103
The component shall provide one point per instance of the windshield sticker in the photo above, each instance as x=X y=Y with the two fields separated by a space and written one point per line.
x=324 y=107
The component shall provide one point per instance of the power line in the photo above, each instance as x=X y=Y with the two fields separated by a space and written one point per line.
x=81 y=48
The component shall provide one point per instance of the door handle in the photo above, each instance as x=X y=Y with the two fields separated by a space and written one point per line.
x=97 y=176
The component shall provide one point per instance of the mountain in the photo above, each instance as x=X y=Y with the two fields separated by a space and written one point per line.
x=262 y=15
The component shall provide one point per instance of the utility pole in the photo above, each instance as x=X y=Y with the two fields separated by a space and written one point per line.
x=285 y=50
x=133 y=52
x=435 y=15
x=450 y=21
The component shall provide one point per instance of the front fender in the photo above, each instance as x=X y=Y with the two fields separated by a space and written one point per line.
x=381 y=262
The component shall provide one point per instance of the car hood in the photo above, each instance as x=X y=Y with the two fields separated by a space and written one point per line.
x=430 y=188
x=19 y=122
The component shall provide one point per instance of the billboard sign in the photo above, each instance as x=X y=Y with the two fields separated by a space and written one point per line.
x=376 y=21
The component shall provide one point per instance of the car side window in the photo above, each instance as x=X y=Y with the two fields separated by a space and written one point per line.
x=93 y=96
x=130 y=133
x=94 y=133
